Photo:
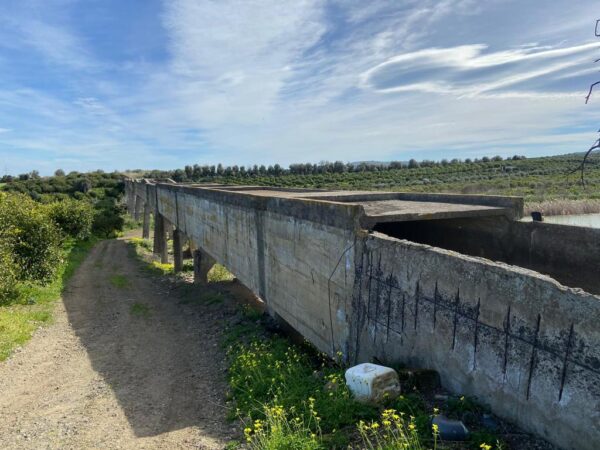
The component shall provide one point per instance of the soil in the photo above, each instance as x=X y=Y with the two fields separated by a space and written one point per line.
x=126 y=364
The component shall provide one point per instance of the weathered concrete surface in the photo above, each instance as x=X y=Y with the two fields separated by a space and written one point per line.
x=516 y=339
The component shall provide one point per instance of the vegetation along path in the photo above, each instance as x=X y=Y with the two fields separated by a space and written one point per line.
x=126 y=364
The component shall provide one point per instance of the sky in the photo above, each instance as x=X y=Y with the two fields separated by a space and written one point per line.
x=125 y=84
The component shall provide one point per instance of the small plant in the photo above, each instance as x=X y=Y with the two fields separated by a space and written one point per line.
x=119 y=281
x=143 y=243
x=140 y=310
x=279 y=431
x=394 y=430
x=219 y=273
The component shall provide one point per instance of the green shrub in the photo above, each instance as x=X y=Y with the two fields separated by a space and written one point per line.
x=8 y=276
x=74 y=218
x=32 y=239
x=108 y=220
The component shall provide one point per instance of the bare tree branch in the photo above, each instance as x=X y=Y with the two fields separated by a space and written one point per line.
x=581 y=167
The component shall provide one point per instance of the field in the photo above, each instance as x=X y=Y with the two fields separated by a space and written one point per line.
x=536 y=179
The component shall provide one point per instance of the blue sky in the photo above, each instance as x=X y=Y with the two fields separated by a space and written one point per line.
x=116 y=84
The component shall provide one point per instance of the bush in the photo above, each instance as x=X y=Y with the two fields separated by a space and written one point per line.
x=74 y=218
x=32 y=239
x=8 y=276
x=108 y=220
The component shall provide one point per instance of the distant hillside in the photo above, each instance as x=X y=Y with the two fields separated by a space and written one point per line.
x=536 y=179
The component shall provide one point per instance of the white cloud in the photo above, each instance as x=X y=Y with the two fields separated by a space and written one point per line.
x=468 y=70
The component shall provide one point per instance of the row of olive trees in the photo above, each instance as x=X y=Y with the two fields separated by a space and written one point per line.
x=198 y=172
x=31 y=239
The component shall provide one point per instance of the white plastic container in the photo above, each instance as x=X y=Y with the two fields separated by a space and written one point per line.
x=372 y=383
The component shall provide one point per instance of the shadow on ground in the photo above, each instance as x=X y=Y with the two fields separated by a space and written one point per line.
x=158 y=351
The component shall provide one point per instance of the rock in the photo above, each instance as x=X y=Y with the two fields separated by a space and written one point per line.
x=372 y=383
x=450 y=430
x=422 y=379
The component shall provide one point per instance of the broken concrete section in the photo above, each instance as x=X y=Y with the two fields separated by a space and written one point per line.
x=449 y=282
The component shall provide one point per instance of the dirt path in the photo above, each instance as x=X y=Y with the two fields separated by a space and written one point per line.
x=120 y=367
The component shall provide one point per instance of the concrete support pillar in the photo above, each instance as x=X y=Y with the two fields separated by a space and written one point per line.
x=146 y=224
x=178 y=239
x=203 y=262
x=131 y=199
x=160 y=238
x=139 y=203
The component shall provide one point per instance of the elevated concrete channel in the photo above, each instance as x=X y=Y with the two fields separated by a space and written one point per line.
x=450 y=282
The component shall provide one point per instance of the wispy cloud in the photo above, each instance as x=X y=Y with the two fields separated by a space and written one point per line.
x=469 y=70
x=281 y=81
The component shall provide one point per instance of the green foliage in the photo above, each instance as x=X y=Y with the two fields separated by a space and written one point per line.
x=536 y=179
x=218 y=273
x=32 y=239
x=8 y=275
x=33 y=304
x=271 y=371
x=108 y=218
x=73 y=217
x=279 y=431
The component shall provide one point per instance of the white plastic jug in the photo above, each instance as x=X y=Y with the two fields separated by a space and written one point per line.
x=372 y=383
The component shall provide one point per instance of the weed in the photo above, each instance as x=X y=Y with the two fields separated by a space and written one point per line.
x=140 y=310
x=143 y=243
x=119 y=281
x=219 y=273
x=393 y=431
x=161 y=268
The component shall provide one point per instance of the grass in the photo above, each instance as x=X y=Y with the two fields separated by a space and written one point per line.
x=140 y=310
x=34 y=309
x=289 y=396
x=119 y=281
x=219 y=273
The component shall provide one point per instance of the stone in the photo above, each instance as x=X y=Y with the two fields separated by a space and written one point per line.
x=372 y=383
x=450 y=430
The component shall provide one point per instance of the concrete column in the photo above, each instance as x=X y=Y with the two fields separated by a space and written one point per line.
x=160 y=238
x=203 y=262
x=146 y=224
x=139 y=203
x=178 y=250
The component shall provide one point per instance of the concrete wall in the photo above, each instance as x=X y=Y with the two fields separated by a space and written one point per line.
x=569 y=254
x=518 y=340
x=291 y=253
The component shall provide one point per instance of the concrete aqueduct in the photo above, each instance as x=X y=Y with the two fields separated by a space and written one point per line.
x=450 y=282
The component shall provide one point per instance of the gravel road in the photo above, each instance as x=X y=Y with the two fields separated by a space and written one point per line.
x=124 y=365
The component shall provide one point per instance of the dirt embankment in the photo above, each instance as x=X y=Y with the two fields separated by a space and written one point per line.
x=126 y=364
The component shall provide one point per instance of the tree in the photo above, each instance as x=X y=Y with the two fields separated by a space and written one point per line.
x=596 y=144
x=59 y=173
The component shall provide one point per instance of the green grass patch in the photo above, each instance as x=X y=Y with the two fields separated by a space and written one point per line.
x=219 y=273
x=119 y=281
x=34 y=307
x=140 y=310
x=146 y=244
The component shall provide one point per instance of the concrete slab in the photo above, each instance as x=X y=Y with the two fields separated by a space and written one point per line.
x=403 y=210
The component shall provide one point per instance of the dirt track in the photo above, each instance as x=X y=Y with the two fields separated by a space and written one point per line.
x=104 y=375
